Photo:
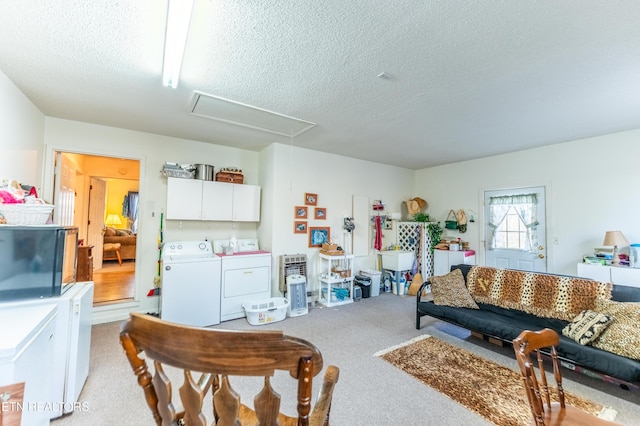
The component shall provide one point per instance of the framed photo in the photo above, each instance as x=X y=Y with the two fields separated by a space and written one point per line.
x=299 y=227
x=318 y=235
x=300 y=212
x=310 y=199
x=320 y=213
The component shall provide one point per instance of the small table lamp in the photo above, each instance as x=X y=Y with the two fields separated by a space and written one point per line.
x=114 y=219
x=615 y=239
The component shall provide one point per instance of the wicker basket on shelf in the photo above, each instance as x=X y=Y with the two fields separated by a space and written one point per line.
x=26 y=214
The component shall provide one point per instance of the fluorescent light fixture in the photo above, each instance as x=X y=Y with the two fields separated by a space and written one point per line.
x=178 y=17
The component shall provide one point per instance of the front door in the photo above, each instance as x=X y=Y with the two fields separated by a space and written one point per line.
x=514 y=222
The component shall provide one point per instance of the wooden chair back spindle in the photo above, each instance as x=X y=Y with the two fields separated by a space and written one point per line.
x=529 y=347
x=216 y=355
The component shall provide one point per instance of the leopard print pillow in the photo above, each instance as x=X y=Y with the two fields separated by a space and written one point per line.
x=451 y=290
x=622 y=336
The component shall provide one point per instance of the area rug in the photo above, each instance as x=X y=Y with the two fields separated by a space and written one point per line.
x=493 y=391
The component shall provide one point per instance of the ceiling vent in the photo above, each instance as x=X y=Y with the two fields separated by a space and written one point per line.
x=227 y=111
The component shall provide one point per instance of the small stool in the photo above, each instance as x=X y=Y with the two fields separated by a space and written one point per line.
x=113 y=247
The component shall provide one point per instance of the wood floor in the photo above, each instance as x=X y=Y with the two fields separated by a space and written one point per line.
x=114 y=283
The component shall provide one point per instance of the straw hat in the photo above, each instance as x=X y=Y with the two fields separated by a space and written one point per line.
x=415 y=204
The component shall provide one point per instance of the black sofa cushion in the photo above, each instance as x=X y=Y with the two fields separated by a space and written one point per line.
x=507 y=324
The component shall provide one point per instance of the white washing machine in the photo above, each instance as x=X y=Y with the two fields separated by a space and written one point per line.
x=190 y=291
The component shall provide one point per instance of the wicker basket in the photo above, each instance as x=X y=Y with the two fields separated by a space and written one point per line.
x=26 y=214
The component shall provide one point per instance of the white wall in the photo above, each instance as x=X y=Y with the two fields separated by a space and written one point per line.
x=21 y=136
x=152 y=151
x=591 y=188
x=290 y=172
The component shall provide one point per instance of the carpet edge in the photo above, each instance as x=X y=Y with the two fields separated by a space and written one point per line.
x=400 y=345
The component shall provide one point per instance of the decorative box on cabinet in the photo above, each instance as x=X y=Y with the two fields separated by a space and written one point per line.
x=84 y=270
x=335 y=272
x=195 y=199
x=623 y=275
x=443 y=259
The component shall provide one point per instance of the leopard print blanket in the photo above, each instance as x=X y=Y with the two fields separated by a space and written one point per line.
x=543 y=295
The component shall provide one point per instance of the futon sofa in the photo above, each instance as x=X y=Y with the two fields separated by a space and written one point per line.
x=127 y=240
x=502 y=313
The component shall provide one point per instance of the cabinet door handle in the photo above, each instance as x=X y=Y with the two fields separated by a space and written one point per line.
x=248 y=272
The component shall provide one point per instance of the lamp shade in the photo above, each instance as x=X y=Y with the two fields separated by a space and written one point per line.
x=113 y=219
x=615 y=238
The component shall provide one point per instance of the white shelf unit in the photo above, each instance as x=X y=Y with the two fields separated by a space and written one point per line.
x=328 y=278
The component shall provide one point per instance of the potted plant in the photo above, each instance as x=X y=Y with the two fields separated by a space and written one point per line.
x=434 y=228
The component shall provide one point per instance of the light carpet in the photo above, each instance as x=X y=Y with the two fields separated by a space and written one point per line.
x=491 y=390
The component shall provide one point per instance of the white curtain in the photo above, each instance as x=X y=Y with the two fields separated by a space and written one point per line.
x=525 y=205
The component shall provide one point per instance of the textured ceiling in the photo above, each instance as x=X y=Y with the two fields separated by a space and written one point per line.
x=469 y=78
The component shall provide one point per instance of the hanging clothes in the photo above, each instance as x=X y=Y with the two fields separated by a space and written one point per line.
x=377 y=243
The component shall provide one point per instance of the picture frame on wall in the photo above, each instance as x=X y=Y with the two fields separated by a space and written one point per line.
x=320 y=213
x=299 y=227
x=300 y=212
x=318 y=235
x=310 y=199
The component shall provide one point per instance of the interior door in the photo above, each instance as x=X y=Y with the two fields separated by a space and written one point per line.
x=515 y=230
x=64 y=191
x=97 y=202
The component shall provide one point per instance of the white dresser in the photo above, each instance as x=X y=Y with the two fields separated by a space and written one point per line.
x=623 y=275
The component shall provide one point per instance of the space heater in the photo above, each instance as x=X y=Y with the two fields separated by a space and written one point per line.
x=297 y=295
x=291 y=264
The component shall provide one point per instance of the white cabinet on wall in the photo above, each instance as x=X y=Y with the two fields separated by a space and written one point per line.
x=443 y=259
x=195 y=199
x=184 y=199
x=217 y=200
x=246 y=203
x=622 y=275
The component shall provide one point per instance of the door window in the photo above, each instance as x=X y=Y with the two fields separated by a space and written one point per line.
x=513 y=222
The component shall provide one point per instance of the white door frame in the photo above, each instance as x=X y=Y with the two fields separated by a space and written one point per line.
x=482 y=237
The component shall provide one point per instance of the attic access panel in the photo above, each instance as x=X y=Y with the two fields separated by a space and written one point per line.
x=227 y=111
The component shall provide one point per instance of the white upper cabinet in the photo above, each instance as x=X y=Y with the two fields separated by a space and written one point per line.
x=184 y=199
x=246 y=203
x=217 y=200
x=195 y=199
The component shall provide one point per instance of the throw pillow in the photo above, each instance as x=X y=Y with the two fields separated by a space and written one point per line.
x=451 y=290
x=586 y=327
x=622 y=336
x=109 y=232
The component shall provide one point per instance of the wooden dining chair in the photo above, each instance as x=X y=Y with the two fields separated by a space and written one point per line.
x=215 y=355
x=544 y=411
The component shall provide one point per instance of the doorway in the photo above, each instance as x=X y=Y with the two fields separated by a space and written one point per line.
x=515 y=229
x=104 y=208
